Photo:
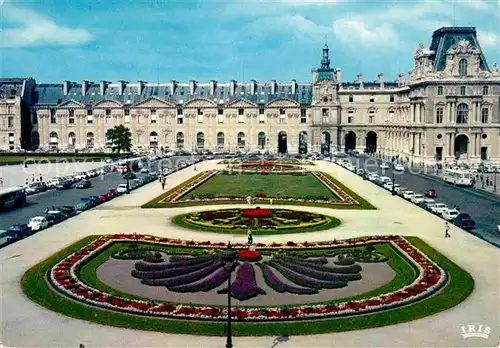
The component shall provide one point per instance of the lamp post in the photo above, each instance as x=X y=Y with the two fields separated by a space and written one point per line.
x=393 y=189
x=495 y=179
x=228 y=258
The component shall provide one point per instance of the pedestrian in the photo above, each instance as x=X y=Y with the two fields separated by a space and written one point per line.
x=163 y=182
x=41 y=177
x=33 y=178
x=250 y=237
x=1 y=182
x=249 y=200
x=447 y=230
x=271 y=201
x=46 y=210
x=160 y=178
x=53 y=208
x=27 y=182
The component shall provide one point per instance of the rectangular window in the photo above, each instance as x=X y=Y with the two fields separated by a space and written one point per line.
x=350 y=117
x=108 y=112
x=180 y=119
x=391 y=115
x=282 y=111
x=261 y=111
x=153 y=118
x=440 y=90
x=199 y=112
x=90 y=119
x=241 y=111
x=282 y=120
x=89 y=112
x=10 y=122
x=241 y=118
x=372 y=99
x=126 y=112
x=220 y=117
x=220 y=111
x=351 y=98
x=303 y=116
x=71 y=119
x=485 y=90
x=371 y=116
x=127 y=118
x=484 y=115
x=179 y=112
x=52 y=116
x=391 y=98
x=325 y=115
x=200 y=118
x=11 y=138
x=71 y=113
x=262 y=118
x=439 y=115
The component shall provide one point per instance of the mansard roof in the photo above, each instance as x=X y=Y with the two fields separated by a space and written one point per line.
x=445 y=38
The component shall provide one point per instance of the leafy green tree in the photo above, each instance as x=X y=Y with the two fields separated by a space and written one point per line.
x=121 y=138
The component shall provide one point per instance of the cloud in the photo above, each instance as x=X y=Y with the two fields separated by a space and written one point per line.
x=474 y=4
x=303 y=3
x=355 y=33
x=33 y=29
x=297 y=25
x=487 y=38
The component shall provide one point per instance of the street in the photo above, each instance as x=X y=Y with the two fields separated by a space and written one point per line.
x=483 y=207
x=37 y=203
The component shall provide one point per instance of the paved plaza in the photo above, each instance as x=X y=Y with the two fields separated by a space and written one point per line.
x=26 y=324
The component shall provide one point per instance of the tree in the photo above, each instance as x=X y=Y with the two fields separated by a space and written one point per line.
x=120 y=137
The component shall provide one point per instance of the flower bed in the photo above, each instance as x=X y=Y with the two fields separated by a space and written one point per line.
x=245 y=286
x=256 y=213
x=64 y=278
x=249 y=255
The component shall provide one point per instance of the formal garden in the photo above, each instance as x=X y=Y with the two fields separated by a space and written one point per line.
x=310 y=188
x=259 y=221
x=168 y=285
x=273 y=160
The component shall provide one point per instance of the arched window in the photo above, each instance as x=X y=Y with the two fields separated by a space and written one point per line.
x=71 y=140
x=462 y=113
x=180 y=140
x=200 y=140
x=241 y=139
x=153 y=139
x=220 y=139
x=462 y=90
x=462 y=67
x=90 y=140
x=440 y=90
x=261 y=139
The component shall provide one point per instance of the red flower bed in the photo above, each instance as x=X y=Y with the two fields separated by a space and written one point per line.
x=264 y=172
x=249 y=255
x=256 y=213
x=260 y=194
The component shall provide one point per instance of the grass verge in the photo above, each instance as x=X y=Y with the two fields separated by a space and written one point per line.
x=36 y=288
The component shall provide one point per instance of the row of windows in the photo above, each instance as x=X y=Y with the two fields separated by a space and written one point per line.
x=372 y=98
x=463 y=90
x=462 y=114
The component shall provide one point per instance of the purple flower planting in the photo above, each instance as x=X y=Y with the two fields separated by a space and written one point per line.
x=244 y=286
x=313 y=273
x=334 y=269
x=206 y=284
x=171 y=272
x=306 y=281
x=146 y=266
x=185 y=278
x=279 y=286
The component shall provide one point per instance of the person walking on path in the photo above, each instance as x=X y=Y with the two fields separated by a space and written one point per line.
x=163 y=182
x=250 y=237
x=249 y=200
x=27 y=182
x=447 y=230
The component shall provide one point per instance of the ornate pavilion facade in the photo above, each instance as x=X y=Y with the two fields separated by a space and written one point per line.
x=447 y=109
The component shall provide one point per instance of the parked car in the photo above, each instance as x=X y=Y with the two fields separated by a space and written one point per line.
x=20 y=230
x=401 y=191
x=450 y=214
x=438 y=208
x=38 y=223
x=144 y=170
x=104 y=198
x=384 y=165
x=112 y=193
x=417 y=198
x=81 y=176
x=83 y=184
x=399 y=168
x=6 y=238
x=68 y=210
x=55 y=217
x=372 y=177
x=64 y=185
x=122 y=188
x=360 y=172
x=408 y=194
x=83 y=205
x=431 y=193
x=381 y=181
x=425 y=202
x=129 y=176
x=94 y=199
x=464 y=221
x=52 y=183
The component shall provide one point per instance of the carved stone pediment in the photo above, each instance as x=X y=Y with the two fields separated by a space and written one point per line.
x=463 y=47
x=282 y=102
x=241 y=103
x=200 y=103
x=108 y=104
x=153 y=102
x=71 y=104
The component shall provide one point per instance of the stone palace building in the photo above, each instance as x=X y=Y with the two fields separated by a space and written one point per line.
x=447 y=109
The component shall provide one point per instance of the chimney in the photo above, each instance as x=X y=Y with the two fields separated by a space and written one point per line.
x=141 y=86
x=213 y=86
x=173 y=86
x=294 y=86
x=66 y=87
x=338 y=75
x=103 y=85
x=253 y=87
x=121 y=86
x=401 y=80
x=192 y=86
x=84 y=86
x=381 y=80
x=232 y=90
x=360 y=80
x=273 y=86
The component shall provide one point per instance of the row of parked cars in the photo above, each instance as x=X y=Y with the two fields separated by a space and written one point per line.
x=77 y=180
x=425 y=200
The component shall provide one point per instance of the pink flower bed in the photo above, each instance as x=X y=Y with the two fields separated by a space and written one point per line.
x=64 y=277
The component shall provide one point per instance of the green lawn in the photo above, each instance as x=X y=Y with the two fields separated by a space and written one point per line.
x=43 y=158
x=272 y=185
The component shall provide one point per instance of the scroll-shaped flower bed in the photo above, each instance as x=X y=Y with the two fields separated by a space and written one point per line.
x=244 y=286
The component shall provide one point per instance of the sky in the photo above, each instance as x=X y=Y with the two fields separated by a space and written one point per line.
x=163 y=40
